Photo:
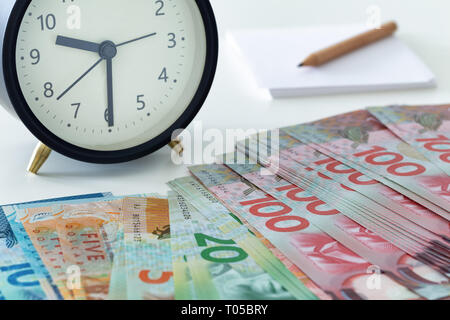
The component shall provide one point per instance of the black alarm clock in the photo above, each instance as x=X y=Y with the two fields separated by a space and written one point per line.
x=106 y=81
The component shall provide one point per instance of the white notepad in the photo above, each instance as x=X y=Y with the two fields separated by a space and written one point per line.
x=273 y=56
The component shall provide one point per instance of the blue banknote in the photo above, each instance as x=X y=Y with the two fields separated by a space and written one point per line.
x=22 y=274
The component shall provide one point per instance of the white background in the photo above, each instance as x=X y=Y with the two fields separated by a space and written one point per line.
x=234 y=101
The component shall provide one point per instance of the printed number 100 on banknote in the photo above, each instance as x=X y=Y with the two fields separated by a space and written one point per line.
x=337 y=270
x=363 y=141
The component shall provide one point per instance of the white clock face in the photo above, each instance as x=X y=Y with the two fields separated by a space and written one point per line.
x=109 y=75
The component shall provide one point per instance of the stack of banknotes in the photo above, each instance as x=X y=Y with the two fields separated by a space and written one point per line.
x=351 y=207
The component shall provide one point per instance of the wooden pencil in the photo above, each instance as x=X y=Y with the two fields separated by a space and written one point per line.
x=337 y=50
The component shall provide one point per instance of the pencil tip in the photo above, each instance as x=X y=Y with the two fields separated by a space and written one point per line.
x=301 y=65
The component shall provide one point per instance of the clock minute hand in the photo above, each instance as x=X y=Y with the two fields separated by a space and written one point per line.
x=137 y=39
x=109 y=81
x=78 y=44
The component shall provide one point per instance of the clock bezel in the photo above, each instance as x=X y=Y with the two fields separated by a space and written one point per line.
x=57 y=144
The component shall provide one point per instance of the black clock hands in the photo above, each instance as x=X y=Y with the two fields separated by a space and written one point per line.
x=107 y=51
x=77 y=44
x=79 y=79
x=91 y=46
x=109 y=84
x=137 y=39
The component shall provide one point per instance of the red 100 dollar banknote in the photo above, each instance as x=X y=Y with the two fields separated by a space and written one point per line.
x=426 y=128
x=340 y=272
x=362 y=142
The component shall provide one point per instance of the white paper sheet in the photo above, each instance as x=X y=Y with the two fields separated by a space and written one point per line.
x=273 y=56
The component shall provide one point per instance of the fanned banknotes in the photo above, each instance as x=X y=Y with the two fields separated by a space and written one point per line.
x=356 y=206
x=22 y=274
x=219 y=269
x=219 y=217
x=338 y=270
x=365 y=144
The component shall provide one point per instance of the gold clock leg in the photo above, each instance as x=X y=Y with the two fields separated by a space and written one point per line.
x=42 y=152
x=40 y=155
x=177 y=146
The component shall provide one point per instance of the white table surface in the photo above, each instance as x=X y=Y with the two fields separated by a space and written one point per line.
x=235 y=102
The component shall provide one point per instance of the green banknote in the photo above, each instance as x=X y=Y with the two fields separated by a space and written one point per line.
x=220 y=269
x=266 y=255
x=148 y=255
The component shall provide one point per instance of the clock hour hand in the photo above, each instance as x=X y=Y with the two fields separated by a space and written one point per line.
x=78 y=44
